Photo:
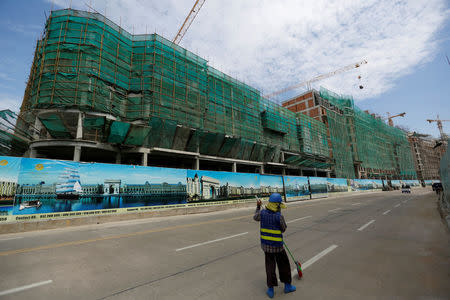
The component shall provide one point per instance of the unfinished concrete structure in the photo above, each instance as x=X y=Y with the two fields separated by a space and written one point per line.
x=427 y=154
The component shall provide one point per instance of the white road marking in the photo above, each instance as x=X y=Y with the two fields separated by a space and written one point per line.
x=209 y=242
x=295 y=220
x=25 y=287
x=13 y=238
x=356 y=203
x=315 y=258
x=386 y=212
x=397 y=205
x=364 y=226
x=404 y=201
x=334 y=209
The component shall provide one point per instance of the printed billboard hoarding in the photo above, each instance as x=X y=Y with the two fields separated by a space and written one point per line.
x=319 y=187
x=204 y=186
x=9 y=173
x=296 y=188
x=46 y=186
x=337 y=185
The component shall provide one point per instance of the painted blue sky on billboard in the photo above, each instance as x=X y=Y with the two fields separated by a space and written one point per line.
x=34 y=171
x=9 y=168
x=97 y=173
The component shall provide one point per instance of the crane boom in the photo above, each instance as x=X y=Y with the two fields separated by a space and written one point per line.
x=188 y=21
x=389 y=118
x=317 y=78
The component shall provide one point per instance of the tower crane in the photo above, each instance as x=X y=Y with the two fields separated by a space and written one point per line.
x=389 y=118
x=439 y=125
x=188 y=21
x=317 y=78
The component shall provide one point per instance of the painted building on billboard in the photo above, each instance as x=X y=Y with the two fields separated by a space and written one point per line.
x=7 y=189
x=210 y=187
x=111 y=187
x=36 y=189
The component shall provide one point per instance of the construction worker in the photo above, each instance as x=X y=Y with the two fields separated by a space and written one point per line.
x=272 y=227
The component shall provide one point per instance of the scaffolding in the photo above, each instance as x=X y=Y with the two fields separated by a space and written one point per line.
x=360 y=138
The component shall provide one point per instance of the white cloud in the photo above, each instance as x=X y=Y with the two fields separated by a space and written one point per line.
x=11 y=102
x=273 y=44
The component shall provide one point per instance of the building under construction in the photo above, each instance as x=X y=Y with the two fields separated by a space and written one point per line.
x=427 y=154
x=98 y=93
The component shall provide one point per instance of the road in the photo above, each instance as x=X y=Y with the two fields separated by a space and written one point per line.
x=378 y=245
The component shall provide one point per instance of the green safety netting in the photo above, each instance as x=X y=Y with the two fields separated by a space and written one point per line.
x=55 y=126
x=93 y=122
x=118 y=132
x=137 y=135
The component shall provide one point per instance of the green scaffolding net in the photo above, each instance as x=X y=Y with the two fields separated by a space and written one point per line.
x=361 y=138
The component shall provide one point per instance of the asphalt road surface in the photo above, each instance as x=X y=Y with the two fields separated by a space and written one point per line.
x=384 y=245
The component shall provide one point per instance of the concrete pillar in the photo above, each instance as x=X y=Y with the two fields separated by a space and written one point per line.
x=118 y=158
x=301 y=172
x=80 y=127
x=33 y=153
x=197 y=164
x=77 y=153
x=234 y=167
x=282 y=157
x=144 y=159
x=261 y=170
x=328 y=174
x=315 y=172
x=38 y=127
x=283 y=171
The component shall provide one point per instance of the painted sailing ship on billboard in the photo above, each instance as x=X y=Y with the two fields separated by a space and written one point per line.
x=68 y=185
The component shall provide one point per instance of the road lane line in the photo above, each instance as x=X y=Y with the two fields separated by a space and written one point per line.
x=404 y=201
x=397 y=205
x=364 y=226
x=213 y=241
x=25 y=287
x=295 y=220
x=315 y=258
x=334 y=209
x=356 y=203
x=386 y=212
x=13 y=238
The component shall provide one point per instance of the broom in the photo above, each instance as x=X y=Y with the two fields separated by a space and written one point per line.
x=296 y=262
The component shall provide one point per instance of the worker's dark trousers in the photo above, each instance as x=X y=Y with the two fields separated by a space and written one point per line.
x=284 y=268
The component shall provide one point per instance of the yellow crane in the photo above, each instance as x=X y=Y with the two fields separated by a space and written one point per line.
x=439 y=125
x=317 y=78
x=188 y=21
x=389 y=118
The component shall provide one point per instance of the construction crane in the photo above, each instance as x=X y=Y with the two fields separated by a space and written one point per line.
x=439 y=125
x=317 y=78
x=389 y=118
x=188 y=21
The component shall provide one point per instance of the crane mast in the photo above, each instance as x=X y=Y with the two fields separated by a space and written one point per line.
x=188 y=21
x=439 y=125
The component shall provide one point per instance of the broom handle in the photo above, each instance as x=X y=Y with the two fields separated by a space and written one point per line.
x=289 y=251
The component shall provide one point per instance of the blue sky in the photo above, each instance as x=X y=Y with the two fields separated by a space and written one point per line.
x=274 y=44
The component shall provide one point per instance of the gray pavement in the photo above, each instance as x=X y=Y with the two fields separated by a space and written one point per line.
x=398 y=252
